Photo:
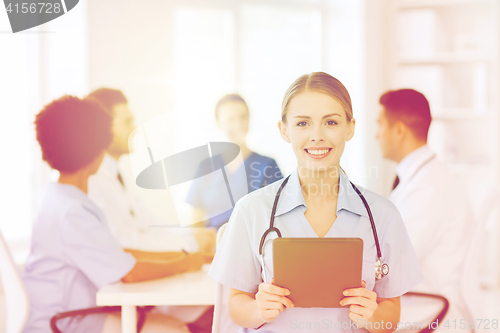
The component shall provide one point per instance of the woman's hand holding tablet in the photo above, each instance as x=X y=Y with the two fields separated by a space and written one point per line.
x=363 y=303
x=272 y=300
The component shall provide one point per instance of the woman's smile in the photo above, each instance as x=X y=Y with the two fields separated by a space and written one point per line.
x=318 y=152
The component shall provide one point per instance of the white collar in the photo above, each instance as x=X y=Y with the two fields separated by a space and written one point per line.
x=347 y=199
x=110 y=165
x=413 y=162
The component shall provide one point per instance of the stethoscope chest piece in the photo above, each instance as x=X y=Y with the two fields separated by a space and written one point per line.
x=381 y=269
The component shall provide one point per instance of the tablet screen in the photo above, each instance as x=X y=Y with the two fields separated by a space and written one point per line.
x=317 y=270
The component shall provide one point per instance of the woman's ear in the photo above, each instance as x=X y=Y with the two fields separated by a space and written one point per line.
x=283 y=131
x=352 y=126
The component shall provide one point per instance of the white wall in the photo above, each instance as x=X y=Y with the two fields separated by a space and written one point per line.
x=377 y=82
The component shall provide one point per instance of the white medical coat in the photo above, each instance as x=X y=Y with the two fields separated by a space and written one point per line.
x=134 y=227
x=439 y=221
x=128 y=220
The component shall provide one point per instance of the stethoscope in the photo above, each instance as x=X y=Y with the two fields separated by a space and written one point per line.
x=381 y=269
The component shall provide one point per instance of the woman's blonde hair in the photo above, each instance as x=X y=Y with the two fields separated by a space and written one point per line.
x=318 y=82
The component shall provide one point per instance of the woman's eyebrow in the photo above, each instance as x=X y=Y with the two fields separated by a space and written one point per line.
x=331 y=115
x=328 y=115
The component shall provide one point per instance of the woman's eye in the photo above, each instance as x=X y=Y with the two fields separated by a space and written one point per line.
x=331 y=123
x=302 y=123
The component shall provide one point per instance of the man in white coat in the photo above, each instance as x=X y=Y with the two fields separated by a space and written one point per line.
x=433 y=205
x=128 y=220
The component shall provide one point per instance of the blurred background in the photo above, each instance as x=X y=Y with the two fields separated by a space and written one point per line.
x=182 y=56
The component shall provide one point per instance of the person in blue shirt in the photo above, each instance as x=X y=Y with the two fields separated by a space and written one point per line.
x=233 y=118
x=318 y=201
x=73 y=253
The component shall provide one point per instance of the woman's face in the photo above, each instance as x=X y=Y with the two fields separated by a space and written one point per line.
x=317 y=127
x=233 y=120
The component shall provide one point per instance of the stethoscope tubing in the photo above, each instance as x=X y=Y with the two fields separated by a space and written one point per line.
x=271 y=223
x=272 y=228
x=370 y=216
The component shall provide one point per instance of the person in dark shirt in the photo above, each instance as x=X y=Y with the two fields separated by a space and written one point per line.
x=233 y=118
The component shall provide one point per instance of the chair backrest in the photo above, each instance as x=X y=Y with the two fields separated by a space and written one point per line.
x=470 y=284
x=222 y=322
x=16 y=297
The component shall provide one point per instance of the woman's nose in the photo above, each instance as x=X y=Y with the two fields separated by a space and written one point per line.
x=317 y=134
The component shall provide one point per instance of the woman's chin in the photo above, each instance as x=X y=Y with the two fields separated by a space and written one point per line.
x=318 y=167
x=238 y=141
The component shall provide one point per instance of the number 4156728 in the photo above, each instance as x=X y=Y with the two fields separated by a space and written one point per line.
x=471 y=324
x=40 y=7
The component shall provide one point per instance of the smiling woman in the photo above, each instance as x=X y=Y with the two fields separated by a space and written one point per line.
x=317 y=105
x=319 y=135
x=319 y=201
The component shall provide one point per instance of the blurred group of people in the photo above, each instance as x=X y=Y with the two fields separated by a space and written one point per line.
x=92 y=231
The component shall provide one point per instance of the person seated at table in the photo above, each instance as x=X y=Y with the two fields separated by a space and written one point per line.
x=126 y=216
x=233 y=118
x=73 y=254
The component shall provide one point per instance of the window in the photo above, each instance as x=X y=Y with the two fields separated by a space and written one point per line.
x=37 y=66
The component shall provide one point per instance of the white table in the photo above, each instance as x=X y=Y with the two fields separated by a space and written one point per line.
x=192 y=288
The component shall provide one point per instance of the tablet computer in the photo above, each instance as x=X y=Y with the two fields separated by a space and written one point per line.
x=317 y=270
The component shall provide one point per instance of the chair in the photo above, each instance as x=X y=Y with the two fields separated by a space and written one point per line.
x=16 y=297
x=97 y=310
x=17 y=301
x=222 y=322
x=436 y=303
